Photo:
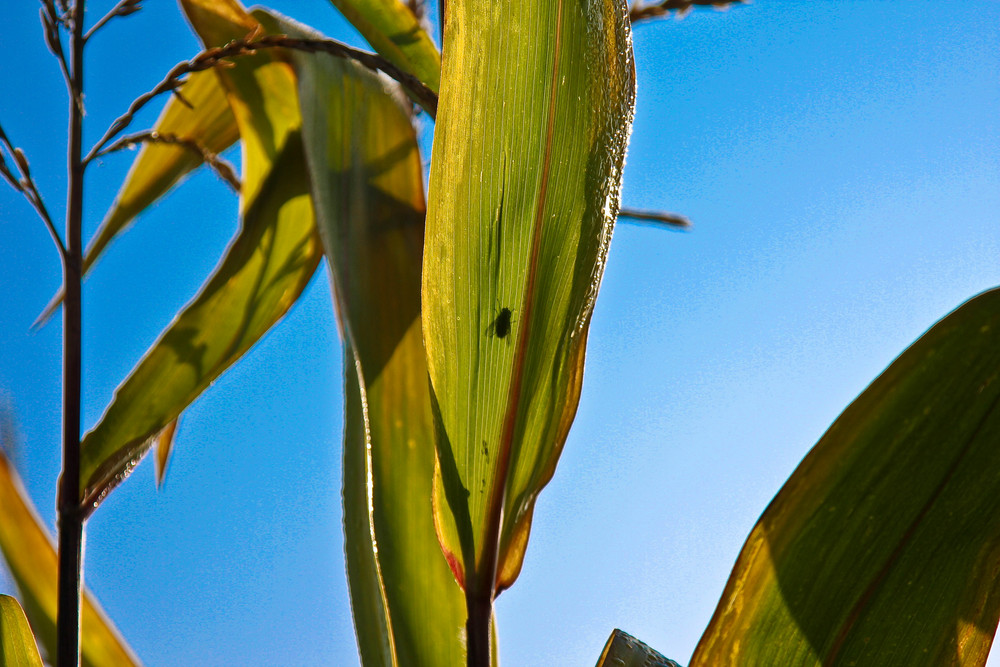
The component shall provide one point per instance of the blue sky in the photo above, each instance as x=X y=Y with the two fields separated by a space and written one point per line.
x=841 y=162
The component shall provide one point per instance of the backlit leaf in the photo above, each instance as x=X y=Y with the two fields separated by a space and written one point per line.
x=366 y=176
x=33 y=565
x=17 y=644
x=263 y=272
x=208 y=122
x=396 y=35
x=524 y=188
x=159 y=166
x=883 y=548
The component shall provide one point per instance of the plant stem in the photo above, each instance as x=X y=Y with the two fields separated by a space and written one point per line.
x=477 y=630
x=70 y=517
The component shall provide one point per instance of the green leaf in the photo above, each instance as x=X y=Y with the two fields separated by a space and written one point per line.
x=17 y=644
x=262 y=274
x=208 y=122
x=261 y=88
x=366 y=176
x=396 y=35
x=33 y=564
x=159 y=166
x=524 y=189
x=164 y=444
x=624 y=650
x=883 y=548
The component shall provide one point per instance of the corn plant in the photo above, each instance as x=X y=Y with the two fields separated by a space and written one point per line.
x=464 y=312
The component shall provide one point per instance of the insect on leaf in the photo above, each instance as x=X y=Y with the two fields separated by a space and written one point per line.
x=366 y=176
x=524 y=186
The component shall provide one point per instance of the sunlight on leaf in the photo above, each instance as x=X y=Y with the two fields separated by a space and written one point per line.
x=17 y=644
x=883 y=548
x=262 y=274
x=524 y=190
x=159 y=166
x=396 y=35
x=32 y=562
x=366 y=176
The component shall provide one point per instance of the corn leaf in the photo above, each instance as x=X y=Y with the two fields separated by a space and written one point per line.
x=366 y=176
x=17 y=644
x=263 y=272
x=624 y=650
x=208 y=122
x=164 y=444
x=396 y=34
x=883 y=548
x=33 y=564
x=524 y=190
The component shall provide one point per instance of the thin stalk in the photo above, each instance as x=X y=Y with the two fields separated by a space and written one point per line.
x=123 y=8
x=214 y=56
x=221 y=167
x=640 y=11
x=70 y=517
x=26 y=185
x=668 y=220
x=477 y=630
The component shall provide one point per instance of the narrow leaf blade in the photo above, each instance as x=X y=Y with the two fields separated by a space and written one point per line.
x=365 y=170
x=208 y=122
x=523 y=194
x=33 y=564
x=164 y=443
x=17 y=644
x=260 y=88
x=264 y=271
x=262 y=274
x=884 y=545
x=396 y=35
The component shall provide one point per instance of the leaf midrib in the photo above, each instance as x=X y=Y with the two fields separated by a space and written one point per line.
x=869 y=593
x=501 y=482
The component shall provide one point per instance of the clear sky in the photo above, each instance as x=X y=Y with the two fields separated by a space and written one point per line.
x=841 y=162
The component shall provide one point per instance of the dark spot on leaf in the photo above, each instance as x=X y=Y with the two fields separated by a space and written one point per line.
x=502 y=324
